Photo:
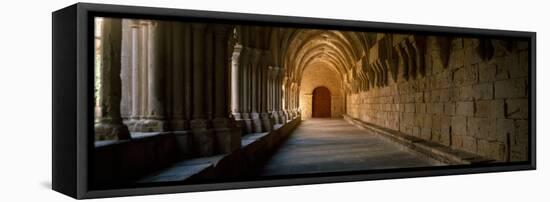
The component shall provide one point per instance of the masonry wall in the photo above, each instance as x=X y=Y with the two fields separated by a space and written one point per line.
x=477 y=102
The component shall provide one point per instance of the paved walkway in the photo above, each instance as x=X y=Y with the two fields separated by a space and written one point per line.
x=333 y=145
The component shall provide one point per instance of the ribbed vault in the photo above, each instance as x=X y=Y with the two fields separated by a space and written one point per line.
x=338 y=50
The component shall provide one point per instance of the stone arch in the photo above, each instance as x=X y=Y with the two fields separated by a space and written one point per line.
x=336 y=50
x=317 y=75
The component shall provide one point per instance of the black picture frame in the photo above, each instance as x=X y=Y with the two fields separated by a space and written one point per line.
x=72 y=104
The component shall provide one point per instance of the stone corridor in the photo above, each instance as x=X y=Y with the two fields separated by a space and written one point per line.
x=332 y=145
x=192 y=101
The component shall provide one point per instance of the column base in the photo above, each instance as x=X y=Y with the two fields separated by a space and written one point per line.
x=184 y=141
x=267 y=122
x=202 y=138
x=256 y=123
x=179 y=125
x=147 y=125
x=227 y=136
x=243 y=120
x=282 y=117
x=275 y=116
x=294 y=113
x=288 y=116
x=111 y=131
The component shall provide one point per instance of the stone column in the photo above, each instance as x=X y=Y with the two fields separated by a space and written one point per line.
x=131 y=81
x=272 y=98
x=246 y=72
x=202 y=136
x=187 y=71
x=178 y=122
x=108 y=123
x=126 y=71
x=297 y=102
x=142 y=80
x=238 y=79
x=255 y=91
x=279 y=90
x=265 y=116
x=283 y=101
x=135 y=74
x=227 y=138
x=209 y=72
x=294 y=100
x=155 y=120
x=289 y=101
x=235 y=82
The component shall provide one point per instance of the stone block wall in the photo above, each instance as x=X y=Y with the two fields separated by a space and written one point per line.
x=476 y=101
x=318 y=75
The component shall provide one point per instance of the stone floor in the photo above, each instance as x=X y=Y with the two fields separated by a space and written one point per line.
x=333 y=145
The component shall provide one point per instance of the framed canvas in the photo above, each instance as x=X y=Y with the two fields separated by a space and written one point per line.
x=158 y=100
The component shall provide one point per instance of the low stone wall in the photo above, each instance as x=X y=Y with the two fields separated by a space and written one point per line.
x=122 y=162
x=246 y=162
x=256 y=149
x=126 y=160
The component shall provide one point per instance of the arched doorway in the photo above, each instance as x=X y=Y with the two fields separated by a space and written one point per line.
x=321 y=102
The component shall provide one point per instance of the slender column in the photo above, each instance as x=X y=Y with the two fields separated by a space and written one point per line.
x=134 y=76
x=178 y=122
x=235 y=82
x=291 y=96
x=155 y=72
x=268 y=88
x=255 y=93
x=280 y=97
x=297 y=100
x=285 y=99
x=237 y=86
x=202 y=137
x=108 y=123
x=265 y=116
x=249 y=82
x=289 y=101
x=228 y=138
x=209 y=81
x=198 y=73
x=187 y=71
x=276 y=106
x=293 y=99
x=135 y=73
x=143 y=66
x=168 y=77
x=126 y=71
x=245 y=96
x=272 y=73
x=276 y=95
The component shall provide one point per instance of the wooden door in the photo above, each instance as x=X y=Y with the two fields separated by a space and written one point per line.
x=321 y=102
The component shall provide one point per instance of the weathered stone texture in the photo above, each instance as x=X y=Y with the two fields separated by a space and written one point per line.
x=477 y=102
x=512 y=88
